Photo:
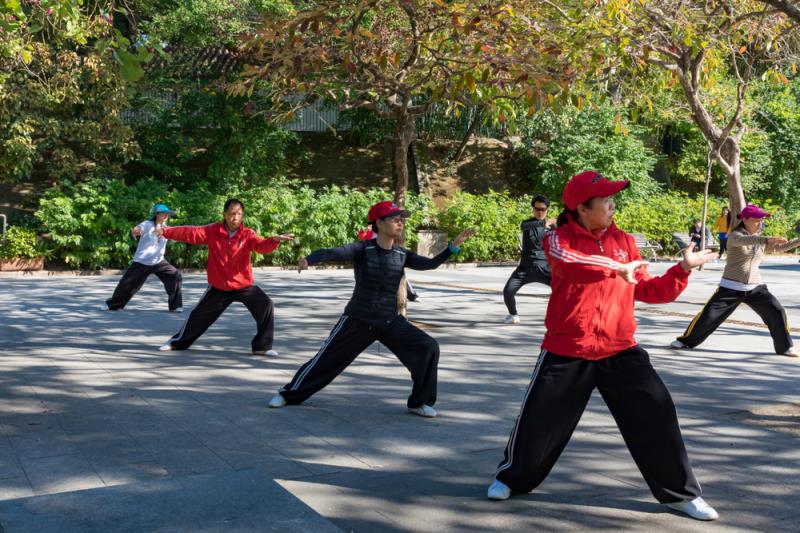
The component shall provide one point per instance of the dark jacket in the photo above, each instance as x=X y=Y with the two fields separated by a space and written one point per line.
x=378 y=273
x=533 y=231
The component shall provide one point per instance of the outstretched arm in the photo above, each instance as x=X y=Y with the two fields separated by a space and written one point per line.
x=664 y=289
x=347 y=253
x=187 y=234
x=419 y=262
x=268 y=245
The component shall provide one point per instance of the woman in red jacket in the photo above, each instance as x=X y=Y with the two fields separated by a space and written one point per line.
x=597 y=273
x=230 y=277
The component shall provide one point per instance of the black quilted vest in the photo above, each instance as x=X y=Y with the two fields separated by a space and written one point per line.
x=378 y=277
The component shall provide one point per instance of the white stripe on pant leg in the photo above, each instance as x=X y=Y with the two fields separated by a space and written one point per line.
x=180 y=333
x=512 y=440
x=320 y=352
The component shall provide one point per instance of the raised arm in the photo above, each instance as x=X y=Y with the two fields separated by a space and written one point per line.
x=187 y=234
x=420 y=262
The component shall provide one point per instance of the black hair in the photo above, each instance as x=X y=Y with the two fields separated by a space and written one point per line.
x=562 y=219
x=232 y=201
x=374 y=226
x=540 y=198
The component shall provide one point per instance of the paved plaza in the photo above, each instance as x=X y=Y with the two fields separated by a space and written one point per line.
x=101 y=432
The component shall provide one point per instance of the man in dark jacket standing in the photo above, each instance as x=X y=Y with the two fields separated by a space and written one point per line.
x=533 y=267
x=230 y=277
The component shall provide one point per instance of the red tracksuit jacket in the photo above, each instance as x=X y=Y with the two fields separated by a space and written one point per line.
x=590 y=313
x=228 y=266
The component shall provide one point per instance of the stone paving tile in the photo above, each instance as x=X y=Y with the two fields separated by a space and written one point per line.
x=15 y=487
x=60 y=474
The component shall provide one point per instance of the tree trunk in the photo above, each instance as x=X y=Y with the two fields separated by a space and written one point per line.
x=709 y=163
x=403 y=135
x=468 y=135
x=730 y=153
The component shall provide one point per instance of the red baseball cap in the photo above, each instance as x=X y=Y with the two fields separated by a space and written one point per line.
x=386 y=209
x=589 y=184
x=753 y=211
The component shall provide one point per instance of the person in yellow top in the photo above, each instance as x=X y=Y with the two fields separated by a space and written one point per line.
x=721 y=225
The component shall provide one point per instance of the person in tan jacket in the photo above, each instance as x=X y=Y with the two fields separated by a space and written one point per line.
x=741 y=283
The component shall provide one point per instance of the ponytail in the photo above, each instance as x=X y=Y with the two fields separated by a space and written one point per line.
x=566 y=214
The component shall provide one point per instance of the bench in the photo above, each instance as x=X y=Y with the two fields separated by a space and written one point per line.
x=646 y=246
x=682 y=241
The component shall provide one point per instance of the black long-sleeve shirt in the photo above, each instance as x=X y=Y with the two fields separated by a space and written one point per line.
x=378 y=273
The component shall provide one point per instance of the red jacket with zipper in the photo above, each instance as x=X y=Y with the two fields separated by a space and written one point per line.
x=228 y=265
x=590 y=313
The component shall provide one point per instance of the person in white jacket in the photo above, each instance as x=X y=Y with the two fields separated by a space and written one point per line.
x=149 y=259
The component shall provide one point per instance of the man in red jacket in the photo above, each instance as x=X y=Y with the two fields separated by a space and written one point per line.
x=230 y=277
x=597 y=273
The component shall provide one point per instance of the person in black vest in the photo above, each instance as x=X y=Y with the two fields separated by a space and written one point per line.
x=533 y=267
x=371 y=315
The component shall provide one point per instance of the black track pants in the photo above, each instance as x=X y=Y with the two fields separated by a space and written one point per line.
x=725 y=301
x=417 y=350
x=638 y=400
x=537 y=273
x=212 y=305
x=134 y=278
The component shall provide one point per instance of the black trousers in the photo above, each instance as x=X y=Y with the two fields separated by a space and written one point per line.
x=725 y=301
x=418 y=351
x=638 y=400
x=211 y=306
x=134 y=278
x=538 y=272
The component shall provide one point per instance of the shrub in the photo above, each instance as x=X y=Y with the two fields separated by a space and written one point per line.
x=495 y=215
x=19 y=242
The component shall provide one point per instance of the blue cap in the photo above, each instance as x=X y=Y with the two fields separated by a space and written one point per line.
x=161 y=208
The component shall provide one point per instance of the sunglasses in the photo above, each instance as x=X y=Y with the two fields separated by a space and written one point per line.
x=540 y=209
x=395 y=219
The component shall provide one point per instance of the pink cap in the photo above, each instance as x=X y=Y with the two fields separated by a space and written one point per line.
x=753 y=211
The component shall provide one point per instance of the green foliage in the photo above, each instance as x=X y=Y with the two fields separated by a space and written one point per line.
x=200 y=23
x=19 y=242
x=495 y=215
x=558 y=144
x=60 y=115
x=90 y=222
x=203 y=135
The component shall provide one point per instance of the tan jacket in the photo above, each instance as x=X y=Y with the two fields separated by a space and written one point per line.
x=745 y=253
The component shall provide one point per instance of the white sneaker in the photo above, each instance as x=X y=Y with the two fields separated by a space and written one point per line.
x=178 y=310
x=423 y=410
x=498 y=491
x=277 y=401
x=678 y=345
x=271 y=353
x=104 y=307
x=791 y=352
x=697 y=509
x=166 y=347
x=511 y=319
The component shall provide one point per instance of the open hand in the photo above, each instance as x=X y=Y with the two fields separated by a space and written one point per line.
x=776 y=241
x=463 y=236
x=628 y=270
x=302 y=264
x=136 y=231
x=159 y=231
x=693 y=259
x=285 y=237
